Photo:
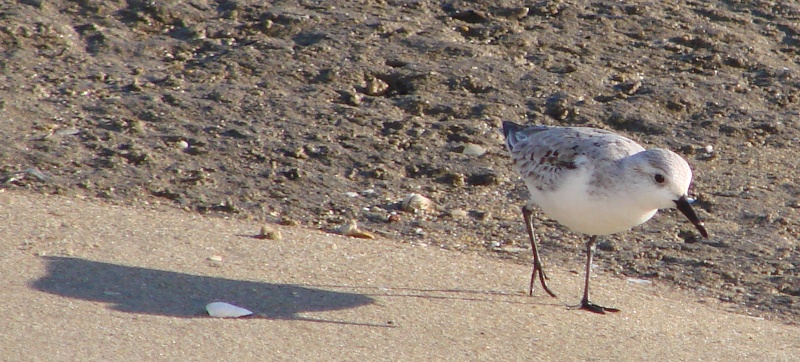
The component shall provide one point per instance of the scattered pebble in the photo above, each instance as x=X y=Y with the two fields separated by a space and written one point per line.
x=415 y=202
x=293 y=174
x=215 y=257
x=458 y=213
x=709 y=149
x=136 y=127
x=33 y=171
x=299 y=153
x=376 y=87
x=514 y=249
x=483 y=178
x=350 y=228
x=480 y=215
x=353 y=99
x=225 y=310
x=607 y=245
x=473 y=150
x=351 y=194
x=639 y=281
x=269 y=233
x=183 y=145
x=455 y=179
x=68 y=132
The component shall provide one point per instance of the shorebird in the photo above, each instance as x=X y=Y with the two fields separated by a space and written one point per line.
x=594 y=182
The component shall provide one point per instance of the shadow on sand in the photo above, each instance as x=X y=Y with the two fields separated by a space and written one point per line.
x=158 y=292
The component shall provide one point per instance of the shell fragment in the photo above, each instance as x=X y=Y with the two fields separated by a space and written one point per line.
x=225 y=310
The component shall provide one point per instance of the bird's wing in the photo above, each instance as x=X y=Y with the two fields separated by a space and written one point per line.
x=544 y=156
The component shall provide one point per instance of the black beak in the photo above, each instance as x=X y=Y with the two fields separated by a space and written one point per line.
x=686 y=209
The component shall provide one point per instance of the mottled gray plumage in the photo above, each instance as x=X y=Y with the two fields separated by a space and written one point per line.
x=546 y=154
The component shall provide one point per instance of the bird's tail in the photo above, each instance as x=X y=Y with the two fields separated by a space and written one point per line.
x=512 y=133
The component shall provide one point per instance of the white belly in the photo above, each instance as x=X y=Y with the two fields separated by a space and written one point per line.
x=597 y=214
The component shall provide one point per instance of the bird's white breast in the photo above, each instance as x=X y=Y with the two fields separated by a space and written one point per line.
x=575 y=207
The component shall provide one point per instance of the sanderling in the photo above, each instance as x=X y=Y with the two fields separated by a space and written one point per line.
x=594 y=182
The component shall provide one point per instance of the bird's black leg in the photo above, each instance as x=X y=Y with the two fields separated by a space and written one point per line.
x=585 y=303
x=527 y=214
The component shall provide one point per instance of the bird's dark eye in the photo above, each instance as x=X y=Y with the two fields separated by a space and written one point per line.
x=660 y=178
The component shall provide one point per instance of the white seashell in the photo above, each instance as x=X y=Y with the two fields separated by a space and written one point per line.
x=415 y=203
x=225 y=310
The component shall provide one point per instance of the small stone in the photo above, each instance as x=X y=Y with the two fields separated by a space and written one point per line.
x=299 y=153
x=514 y=249
x=269 y=233
x=376 y=87
x=416 y=203
x=216 y=258
x=293 y=174
x=137 y=127
x=480 y=215
x=458 y=213
x=607 y=245
x=353 y=99
x=455 y=179
x=709 y=149
x=33 y=171
x=182 y=145
x=350 y=228
x=514 y=13
x=286 y=221
x=68 y=132
x=473 y=150
x=484 y=178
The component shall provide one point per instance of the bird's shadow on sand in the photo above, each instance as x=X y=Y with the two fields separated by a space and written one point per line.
x=166 y=293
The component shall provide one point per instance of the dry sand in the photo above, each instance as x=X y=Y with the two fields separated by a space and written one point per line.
x=89 y=281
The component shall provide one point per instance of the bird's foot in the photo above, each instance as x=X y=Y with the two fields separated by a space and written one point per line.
x=594 y=308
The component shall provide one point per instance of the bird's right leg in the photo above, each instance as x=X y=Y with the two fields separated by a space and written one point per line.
x=585 y=303
x=527 y=214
